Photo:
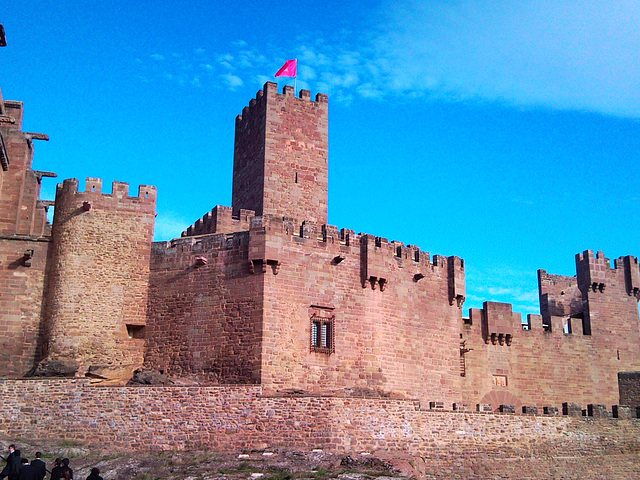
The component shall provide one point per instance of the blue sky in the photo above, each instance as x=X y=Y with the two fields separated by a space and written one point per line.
x=505 y=132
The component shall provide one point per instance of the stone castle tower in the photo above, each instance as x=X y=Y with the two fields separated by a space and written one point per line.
x=281 y=154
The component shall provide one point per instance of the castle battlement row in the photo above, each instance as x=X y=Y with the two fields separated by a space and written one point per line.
x=267 y=292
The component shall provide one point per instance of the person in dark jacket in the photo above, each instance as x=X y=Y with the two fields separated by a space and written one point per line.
x=16 y=465
x=39 y=466
x=95 y=474
x=9 y=460
x=56 y=471
x=27 y=472
x=66 y=468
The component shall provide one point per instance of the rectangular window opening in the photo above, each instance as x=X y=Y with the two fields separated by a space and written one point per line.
x=322 y=334
x=135 y=331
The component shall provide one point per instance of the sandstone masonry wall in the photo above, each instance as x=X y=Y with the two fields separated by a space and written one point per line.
x=20 y=211
x=241 y=418
x=629 y=385
x=99 y=278
x=391 y=333
x=541 y=367
x=205 y=309
x=24 y=245
x=22 y=285
x=281 y=155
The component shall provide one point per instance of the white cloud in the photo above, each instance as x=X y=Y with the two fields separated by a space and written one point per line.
x=562 y=55
x=232 y=81
x=306 y=72
x=368 y=90
x=226 y=60
x=568 y=55
x=501 y=283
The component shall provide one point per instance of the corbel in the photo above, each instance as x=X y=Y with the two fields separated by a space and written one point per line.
x=200 y=261
x=26 y=258
x=337 y=259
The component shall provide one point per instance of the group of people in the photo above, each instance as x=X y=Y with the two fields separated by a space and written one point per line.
x=19 y=468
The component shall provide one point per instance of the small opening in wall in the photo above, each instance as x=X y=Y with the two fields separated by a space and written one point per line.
x=322 y=334
x=296 y=177
x=135 y=331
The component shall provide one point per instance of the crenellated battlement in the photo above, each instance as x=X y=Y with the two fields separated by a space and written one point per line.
x=220 y=220
x=325 y=233
x=270 y=89
x=200 y=244
x=631 y=274
x=93 y=195
x=268 y=292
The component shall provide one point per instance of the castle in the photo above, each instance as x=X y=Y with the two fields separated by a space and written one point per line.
x=265 y=292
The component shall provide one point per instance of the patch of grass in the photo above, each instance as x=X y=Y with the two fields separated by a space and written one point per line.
x=142 y=476
x=277 y=473
x=242 y=467
x=323 y=474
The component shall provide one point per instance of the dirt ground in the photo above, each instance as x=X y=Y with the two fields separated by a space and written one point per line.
x=321 y=465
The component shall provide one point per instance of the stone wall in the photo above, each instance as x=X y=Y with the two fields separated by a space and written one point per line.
x=24 y=246
x=629 y=385
x=21 y=213
x=241 y=418
x=391 y=333
x=205 y=309
x=541 y=367
x=22 y=286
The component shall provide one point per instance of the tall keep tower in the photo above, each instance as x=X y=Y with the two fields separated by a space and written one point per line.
x=281 y=153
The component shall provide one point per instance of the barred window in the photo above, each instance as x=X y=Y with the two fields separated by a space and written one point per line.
x=322 y=334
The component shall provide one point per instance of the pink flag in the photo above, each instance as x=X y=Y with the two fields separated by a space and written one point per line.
x=289 y=69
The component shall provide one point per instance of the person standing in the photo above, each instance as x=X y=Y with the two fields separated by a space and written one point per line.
x=66 y=469
x=16 y=465
x=56 y=471
x=39 y=466
x=95 y=474
x=9 y=460
x=27 y=472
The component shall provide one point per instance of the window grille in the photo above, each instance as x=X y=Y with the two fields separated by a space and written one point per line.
x=322 y=334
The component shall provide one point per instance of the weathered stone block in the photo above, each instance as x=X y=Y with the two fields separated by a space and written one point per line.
x=572 y=409
x=507 y=408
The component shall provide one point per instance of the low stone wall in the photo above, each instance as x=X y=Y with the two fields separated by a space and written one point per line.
x=241 y=418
